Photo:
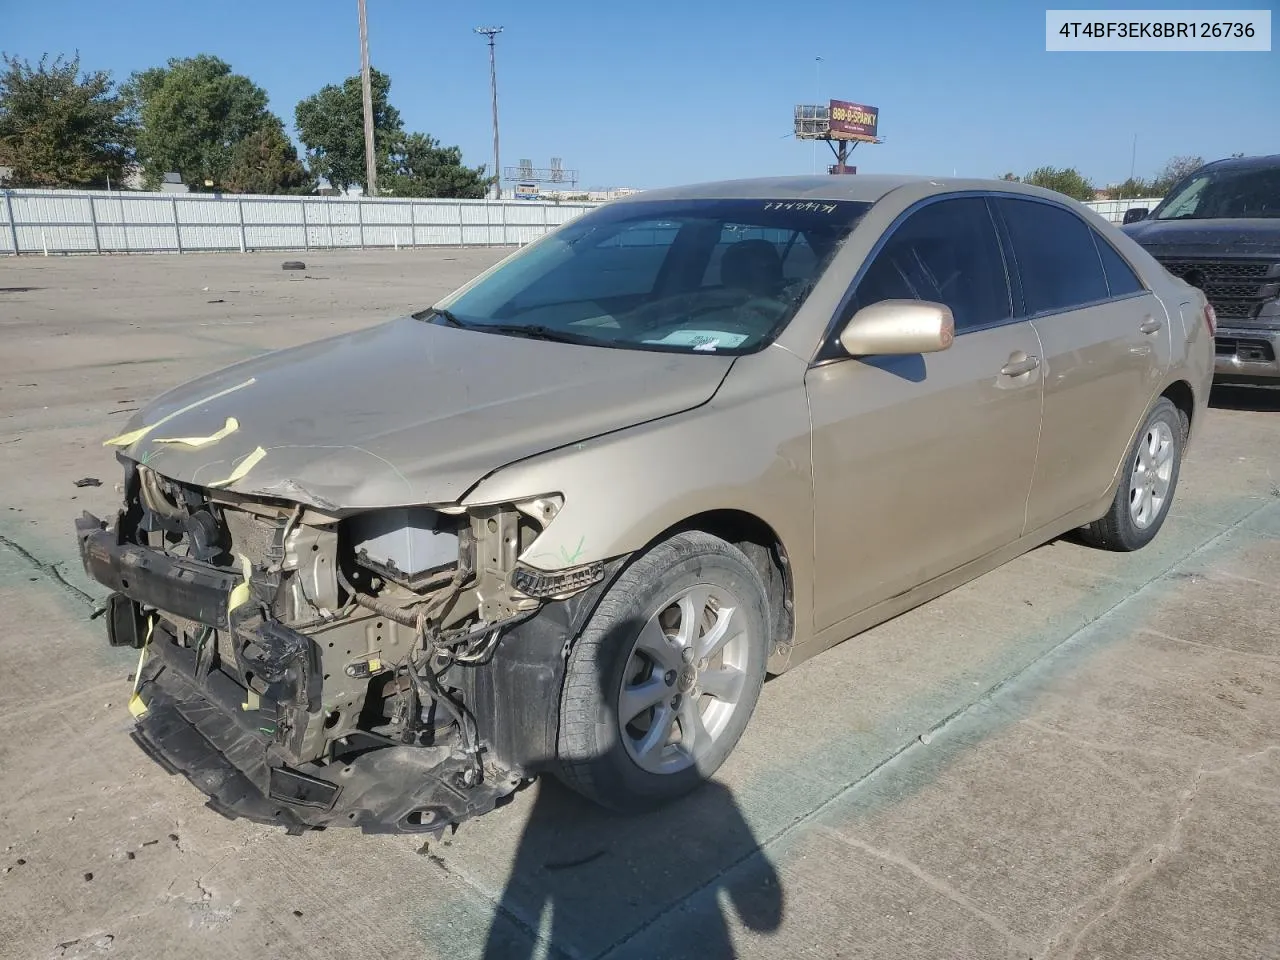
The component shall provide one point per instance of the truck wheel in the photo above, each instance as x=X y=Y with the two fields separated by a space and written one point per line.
x=1146 y=489
x=661 y=683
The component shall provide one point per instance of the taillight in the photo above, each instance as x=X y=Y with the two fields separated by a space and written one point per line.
x=1210 y=318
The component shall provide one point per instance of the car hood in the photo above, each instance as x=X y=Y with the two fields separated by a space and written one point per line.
x=407 y=412
x=1257 y=237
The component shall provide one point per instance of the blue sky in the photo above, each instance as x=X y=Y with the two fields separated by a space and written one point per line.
x=666 y=92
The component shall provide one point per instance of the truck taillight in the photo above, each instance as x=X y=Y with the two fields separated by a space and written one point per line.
x=1210 y=318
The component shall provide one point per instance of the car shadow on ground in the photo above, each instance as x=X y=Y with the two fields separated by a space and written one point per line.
x=1261 y=399
x=585 y=881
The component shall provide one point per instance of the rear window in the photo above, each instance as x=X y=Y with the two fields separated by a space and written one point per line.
x=798 y=259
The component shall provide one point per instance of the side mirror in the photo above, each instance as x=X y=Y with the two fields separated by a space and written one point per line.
x=898 y=327
x=1134 y=214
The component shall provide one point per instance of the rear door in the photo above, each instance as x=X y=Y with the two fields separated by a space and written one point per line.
x=1106 y=345
x=923 y=462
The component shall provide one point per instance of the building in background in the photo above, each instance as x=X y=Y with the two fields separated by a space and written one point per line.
x=171 y=182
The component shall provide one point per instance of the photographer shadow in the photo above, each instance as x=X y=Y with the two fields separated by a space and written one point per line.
x=585 y=881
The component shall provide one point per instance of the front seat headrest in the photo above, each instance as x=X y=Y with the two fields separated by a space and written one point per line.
x=752 y=265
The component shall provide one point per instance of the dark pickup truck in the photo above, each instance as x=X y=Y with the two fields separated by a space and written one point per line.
x=1219 y=230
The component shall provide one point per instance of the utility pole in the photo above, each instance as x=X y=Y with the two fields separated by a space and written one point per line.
x=366 y=82
x=492 y=32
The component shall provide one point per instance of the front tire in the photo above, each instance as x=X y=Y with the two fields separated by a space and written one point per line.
x=1146 y=490
x=664 y=678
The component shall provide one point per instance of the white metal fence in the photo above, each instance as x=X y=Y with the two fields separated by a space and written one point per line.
x=65 y=221
x=69 y=221
x=1114 y=210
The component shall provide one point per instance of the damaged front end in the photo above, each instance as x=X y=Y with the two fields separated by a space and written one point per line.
x=395 y=670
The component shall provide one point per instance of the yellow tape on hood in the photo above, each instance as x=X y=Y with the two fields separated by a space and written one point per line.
x=231 y=426
x=133 y=436
x=247 y=464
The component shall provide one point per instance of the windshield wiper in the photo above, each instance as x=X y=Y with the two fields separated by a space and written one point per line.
x=431 y=314
x=532 y=332
x=529 y=331
x=448 y=317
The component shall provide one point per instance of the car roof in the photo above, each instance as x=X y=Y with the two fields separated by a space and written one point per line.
x=866 y=188
x=1246 y=163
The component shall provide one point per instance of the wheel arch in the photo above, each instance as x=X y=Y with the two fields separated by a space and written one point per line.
x=761 y=544
x=1182 y=396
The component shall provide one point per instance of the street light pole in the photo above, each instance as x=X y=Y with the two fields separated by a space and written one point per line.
x=492 y=32
x=366 y=82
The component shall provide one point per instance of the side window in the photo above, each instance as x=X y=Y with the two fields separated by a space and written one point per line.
x=1059 y=265
x=947 y=253
x=1121 y=280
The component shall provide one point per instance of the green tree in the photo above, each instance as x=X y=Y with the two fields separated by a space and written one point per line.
x=266 y=161
x=59 y=128
x=1133 y=188
x=1010 y=176
x=1067 y=180
x=331 y=126
x=423 y=168
x=193 y=114
x=1175 y=170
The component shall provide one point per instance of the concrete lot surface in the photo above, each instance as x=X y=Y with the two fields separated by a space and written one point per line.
x=1077 y=755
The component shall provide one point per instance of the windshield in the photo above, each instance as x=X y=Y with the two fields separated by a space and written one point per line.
x=715 y=276
x=1227 y=193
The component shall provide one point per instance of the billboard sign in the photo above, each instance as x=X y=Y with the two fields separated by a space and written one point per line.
x=853 y=121
x=527 y=191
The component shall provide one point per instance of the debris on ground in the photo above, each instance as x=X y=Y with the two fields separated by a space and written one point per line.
x=89 y=482
x=293 y=265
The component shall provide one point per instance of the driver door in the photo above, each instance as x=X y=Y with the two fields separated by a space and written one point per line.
x=922 y=463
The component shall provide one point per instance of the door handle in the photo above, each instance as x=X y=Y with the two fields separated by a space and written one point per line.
x=1017 y=366
x=1150 y=325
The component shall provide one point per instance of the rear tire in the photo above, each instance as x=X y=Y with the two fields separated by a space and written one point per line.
x=664 y=678
x=1146 y=488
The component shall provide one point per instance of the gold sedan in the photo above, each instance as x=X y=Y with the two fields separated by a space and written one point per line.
x=566 y=519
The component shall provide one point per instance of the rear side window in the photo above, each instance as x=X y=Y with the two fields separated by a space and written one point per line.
x=946 y=252
x=1121 y=280
x=1057 y=260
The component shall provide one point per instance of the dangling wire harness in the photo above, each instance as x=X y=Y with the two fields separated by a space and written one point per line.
x=465 y=645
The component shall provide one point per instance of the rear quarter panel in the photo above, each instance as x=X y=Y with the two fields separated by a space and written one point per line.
x=1191 y=346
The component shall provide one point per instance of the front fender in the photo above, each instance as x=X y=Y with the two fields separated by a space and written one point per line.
x=748 y=449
